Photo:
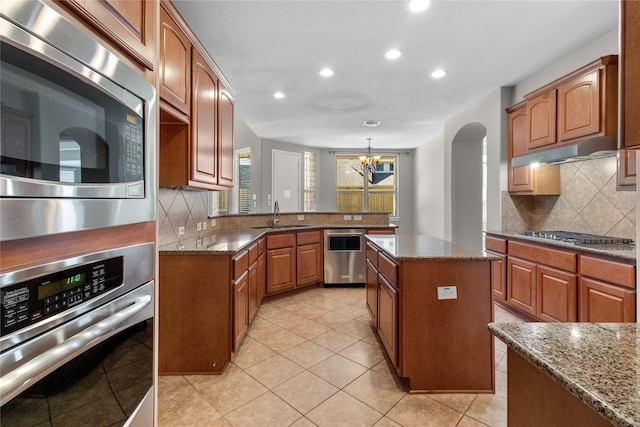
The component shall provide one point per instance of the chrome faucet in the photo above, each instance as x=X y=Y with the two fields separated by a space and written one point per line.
x=276 y=214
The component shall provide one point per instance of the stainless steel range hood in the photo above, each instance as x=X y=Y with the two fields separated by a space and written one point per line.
x=595 y=148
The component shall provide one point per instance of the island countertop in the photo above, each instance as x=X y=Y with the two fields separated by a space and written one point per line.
x=406 y=247
x=596 y=362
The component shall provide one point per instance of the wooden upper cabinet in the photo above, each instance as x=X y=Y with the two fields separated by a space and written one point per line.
x=130 y=24
x=225 y=136
x=579 y=107
x=626 y=176
x=541 y=120
x=524 y=179
x=175 y=64
x=630 y=74
x=204 y=122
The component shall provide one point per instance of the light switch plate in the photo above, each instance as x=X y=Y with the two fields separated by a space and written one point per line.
x=347 y=217
x=199 y=226
x=357 y=217
x=180 y=231
x=447 y=292
x=300 y=217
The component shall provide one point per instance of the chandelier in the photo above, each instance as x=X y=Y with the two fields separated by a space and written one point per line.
x=369 y=163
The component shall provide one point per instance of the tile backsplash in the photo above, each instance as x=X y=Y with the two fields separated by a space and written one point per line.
x=588 y=203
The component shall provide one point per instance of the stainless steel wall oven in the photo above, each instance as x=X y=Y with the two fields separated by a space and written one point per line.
x=76 y=345
x=78 y=129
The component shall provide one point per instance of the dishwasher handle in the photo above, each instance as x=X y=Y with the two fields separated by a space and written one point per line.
x=56 y=355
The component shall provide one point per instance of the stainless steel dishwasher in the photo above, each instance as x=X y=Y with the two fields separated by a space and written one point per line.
x=344 y=257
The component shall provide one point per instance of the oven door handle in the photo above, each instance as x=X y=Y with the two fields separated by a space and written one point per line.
x=58 y=354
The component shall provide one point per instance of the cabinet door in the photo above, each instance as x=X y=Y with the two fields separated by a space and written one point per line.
x=521 y=289
x=309 y=264
x=499 y=277
x=603 y=302
x=175 y=64
x=520 y=178
x=371 y=286
x=579 y=107
x=541 y=119
x=630 y=73
x=557 y=295
x=626 y=176
x=388 y=318
x=281 y=270
x=204 y=122
x=225 y=137
x=129 y=23
x=254 y=292
x=262 y=276
x=240 y=309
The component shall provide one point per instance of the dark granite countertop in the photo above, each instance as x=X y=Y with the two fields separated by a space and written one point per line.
x=403 y=247
x=626 y=252
x=596 y=362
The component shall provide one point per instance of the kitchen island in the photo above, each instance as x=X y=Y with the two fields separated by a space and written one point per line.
x=562 y=374
x=430 y=302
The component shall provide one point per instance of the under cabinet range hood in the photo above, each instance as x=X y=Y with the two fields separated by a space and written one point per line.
x=594 y=148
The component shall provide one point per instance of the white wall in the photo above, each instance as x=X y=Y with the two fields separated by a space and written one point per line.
x=429 y=188
x=244 y=137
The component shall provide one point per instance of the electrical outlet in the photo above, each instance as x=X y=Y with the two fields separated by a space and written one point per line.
x=204 y=225
x=213 y=222
x=347 y=217
x=357 y=217
x=300 y=217
x=447 y=292
x=199 y=226
x=180 y=231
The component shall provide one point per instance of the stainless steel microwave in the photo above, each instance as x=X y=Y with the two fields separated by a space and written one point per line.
x=78 y=129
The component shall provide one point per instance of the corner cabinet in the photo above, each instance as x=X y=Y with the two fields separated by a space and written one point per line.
x=527 y=180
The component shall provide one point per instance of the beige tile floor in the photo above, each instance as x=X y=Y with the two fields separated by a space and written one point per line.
x=313 y=359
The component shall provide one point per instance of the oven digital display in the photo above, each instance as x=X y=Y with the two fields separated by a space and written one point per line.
x=62 y=285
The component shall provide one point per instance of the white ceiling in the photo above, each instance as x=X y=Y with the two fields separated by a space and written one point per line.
x=268 y=46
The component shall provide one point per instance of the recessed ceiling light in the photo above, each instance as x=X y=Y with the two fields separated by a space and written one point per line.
x=326 y=72
x=416 y=6
x=372 y=123
x=438 y=73
x=393 y=54
x=278 y=95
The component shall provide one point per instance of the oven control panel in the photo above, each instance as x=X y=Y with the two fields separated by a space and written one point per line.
x=30 y=301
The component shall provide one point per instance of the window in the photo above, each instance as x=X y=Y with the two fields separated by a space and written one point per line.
x=376 y=193
x=242 y=181
x=310 y=195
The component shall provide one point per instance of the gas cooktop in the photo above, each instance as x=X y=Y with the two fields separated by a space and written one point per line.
x=577 y=238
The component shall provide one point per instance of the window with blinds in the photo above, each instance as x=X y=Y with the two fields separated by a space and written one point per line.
x=242 y=182
x=310 y=188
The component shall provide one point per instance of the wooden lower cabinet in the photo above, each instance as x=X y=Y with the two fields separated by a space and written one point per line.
x=499 y=276
x=522 y=285
x=254 y=291
x=604 y=302
x=240 y=309
x=262 y=276
x=195 y=302
x=281 y=270
x=371 y=288
x=556 y=295
x=388 y=318
x=310 y=257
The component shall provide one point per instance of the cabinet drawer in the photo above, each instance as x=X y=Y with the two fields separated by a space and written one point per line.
x=240 y=264
x=608 y=271
x=388 y=269
x=276 y=241
x=543 y=255
x=495 y=244
x=308 y=237
x=262 y=245
x=372 y=254
x=253 y=253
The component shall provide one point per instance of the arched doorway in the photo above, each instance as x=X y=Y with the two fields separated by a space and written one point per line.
x=468 y=184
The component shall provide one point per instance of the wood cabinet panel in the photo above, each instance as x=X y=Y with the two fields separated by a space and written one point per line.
x=495 y=245
x=276 y=241
x=204 y=122
x=541 y=120
x=225 y=137
x=310 y=264
x=371 y=289
x=372 y=254
x=626 y=176
x=262 y=276
x=609 y=271
x=630 y=74
x=579 y=107
x=388 y=318
x=240 y=309
x=499 y=277
x=521 y=291
x=381 y=231
x=603 y=302
x=240 y=264
x=254 y=291
x=175 y=64
x=563 y=260
x=388 y=268
x=281 y=269
x=557 y=295
x=308 y=237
